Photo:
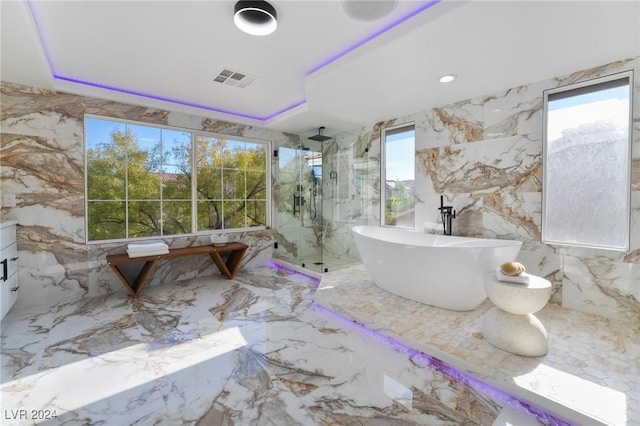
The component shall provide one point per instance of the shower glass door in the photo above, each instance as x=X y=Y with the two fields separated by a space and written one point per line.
x=298 y=207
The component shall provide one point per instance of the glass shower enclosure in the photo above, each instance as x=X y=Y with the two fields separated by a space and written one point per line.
x=299 y=201
x=313 y=195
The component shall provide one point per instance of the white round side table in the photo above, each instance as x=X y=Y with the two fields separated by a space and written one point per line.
x=511 y=325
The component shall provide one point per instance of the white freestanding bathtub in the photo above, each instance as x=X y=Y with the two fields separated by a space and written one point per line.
x=437 y=270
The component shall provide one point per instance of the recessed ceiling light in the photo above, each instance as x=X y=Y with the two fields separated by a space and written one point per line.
x=255 y=17
x=448 y=78
x=365 y=10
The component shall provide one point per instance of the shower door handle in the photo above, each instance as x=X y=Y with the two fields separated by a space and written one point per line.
x=298 y=202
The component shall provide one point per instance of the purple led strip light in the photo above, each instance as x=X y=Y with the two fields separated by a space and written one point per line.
x=177 y=101
x=457 y=375
x=438 y=365
x=278 y=266
x=378 y=33
x=296 y=104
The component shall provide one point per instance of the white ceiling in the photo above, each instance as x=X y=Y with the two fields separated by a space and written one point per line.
x=174 y=50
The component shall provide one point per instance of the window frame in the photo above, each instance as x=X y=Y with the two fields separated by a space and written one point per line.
x=194 y=199
x=627 y=216
x=383 y=170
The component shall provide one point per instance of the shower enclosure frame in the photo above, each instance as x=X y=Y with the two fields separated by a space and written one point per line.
x=298 y=217
x=321 y=175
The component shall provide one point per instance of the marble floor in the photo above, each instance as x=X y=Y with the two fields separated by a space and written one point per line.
x=591 y=374
x=253 y=350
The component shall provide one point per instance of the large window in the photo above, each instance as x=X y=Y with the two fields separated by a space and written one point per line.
x=587 y=163
x=231 y=183
x=141 y=181
x=398 y=176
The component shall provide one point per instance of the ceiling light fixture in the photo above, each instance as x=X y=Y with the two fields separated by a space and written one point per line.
x=366 y=10
x=448 y=78
x=255 y=17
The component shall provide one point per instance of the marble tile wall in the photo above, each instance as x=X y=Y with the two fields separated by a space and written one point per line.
x=485 y=155
x=42 y=163
x=342 y=195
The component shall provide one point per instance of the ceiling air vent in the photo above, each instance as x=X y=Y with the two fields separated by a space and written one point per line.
x=234 y=78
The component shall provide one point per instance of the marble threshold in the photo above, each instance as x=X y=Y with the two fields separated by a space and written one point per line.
x=316 y=265
x=590 y=376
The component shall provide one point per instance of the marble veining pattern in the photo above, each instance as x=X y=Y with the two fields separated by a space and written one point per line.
x=212 y=351
x=42 y=163
x=591 y=374
x=482 y=166
x=484 y=155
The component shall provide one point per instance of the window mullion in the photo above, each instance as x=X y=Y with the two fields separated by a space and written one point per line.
x=161 y=201
x=222 y=197
x=126 y=198
x=194 y=184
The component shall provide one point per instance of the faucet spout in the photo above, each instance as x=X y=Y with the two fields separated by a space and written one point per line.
x=448 y=214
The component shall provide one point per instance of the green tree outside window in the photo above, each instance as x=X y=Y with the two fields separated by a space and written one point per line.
x=139 y=181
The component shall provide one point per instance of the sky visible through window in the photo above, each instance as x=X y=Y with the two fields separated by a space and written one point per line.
x=611 y=105
x=98 y=131
x=400 y=161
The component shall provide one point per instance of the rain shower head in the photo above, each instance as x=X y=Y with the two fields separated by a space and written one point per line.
x=320 y=137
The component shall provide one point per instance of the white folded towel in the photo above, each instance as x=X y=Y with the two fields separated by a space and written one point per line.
x=147 y=247
x=147 y=253
x=523 y=278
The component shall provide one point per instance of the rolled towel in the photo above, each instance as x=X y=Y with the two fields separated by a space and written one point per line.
x=146 y=247
x=522 y=278
x=147 y=253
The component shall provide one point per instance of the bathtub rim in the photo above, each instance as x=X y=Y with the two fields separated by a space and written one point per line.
x=457 y=242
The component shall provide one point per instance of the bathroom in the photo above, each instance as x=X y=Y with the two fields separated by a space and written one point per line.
x=43 y=165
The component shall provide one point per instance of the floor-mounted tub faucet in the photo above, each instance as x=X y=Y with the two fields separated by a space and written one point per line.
x=448 y=214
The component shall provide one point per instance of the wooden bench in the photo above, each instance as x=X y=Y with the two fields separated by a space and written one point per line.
x=228 y=268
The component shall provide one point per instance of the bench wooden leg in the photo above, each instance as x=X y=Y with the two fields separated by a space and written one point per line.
x=140 y=281
x=233 y=261
x=145 y=273
x=228 y=268
x=222 y=267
